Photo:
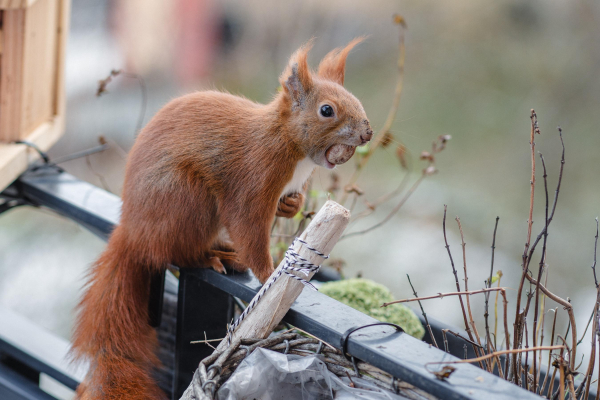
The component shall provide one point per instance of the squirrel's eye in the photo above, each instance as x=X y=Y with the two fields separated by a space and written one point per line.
x=326 y=111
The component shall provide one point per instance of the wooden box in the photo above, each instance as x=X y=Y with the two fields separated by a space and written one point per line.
x=33 y=36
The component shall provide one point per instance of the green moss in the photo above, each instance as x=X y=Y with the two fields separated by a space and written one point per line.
x=367 y=296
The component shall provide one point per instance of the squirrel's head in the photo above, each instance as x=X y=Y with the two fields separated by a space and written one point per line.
x=326 y=121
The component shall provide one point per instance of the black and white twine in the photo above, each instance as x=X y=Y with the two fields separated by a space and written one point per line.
x=292 y=261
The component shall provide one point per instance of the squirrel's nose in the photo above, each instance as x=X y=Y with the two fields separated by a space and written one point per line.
x=365 y=137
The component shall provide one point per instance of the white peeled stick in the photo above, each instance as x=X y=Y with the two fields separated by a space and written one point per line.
x=322 y=234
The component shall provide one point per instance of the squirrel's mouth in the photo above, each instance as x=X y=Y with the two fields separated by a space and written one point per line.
x=338 y=154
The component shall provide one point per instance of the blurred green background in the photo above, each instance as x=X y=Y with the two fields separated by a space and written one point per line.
x=473 y=70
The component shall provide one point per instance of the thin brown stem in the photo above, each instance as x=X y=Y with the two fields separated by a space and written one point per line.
x=561 y=382
x=462 y=306
x=518 y=316
x=595 y=252
x=445 y=341
x=458 y=335
x=423 y=312
x=590 y=369
x=442 y=295
x=555 y=370
x=506 y=334
x=497 y=353
x=489 y=285
x=598 y=339
x=569 y=308
x=467 y=296
x=496 y=313
x=526 y=369
x=383 y=199
x=539 y=278
x=550 y=354
x=571 y=385
x=556 y=192
x=392 y=213
x=379 y=137
x=541 y=328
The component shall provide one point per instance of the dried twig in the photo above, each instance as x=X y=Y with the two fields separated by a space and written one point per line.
x=458 y=335
x=595 y=251
x=569 y=308
x=423 y=312
x=489 y=285
x=496 y=312
x=497 y=353
x=540 y=271
x=445 y=341
x=598 y=338
x=467 y=296
x=518 y=318
x=462 y=306
x=386 y=197
x=103 y=84
x=391 y=213
x=381 y=135
x=556 y=192
x=314 y=337
x=542 y=324
x=555 y=370
x=442 y=295
x=590 y=369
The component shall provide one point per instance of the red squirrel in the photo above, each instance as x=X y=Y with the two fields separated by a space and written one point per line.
x=204 y=181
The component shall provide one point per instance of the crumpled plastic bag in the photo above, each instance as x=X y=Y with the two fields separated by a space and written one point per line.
x=269 y=375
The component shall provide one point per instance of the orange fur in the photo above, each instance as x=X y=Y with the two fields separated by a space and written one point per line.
x=207 y=163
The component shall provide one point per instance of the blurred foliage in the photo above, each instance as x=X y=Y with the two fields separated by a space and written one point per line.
x=367 y=297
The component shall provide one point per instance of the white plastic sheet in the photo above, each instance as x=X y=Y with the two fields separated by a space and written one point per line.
x=268 y=375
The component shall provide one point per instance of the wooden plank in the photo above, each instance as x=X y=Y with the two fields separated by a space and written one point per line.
x=14 y=4
x=11 y=76
x=39 y=65
x=64 y=14
x=15 y=158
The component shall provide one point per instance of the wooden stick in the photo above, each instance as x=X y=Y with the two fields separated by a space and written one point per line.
x=322 y=234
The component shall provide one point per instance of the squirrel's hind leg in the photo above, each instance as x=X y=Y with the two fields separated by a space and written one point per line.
x=216 y=257
x=223 y=251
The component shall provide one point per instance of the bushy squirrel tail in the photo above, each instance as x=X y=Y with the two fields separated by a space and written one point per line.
x=112 y=330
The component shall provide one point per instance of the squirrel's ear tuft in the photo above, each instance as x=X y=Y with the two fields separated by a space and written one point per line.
x=333 y=65
x=296 y=79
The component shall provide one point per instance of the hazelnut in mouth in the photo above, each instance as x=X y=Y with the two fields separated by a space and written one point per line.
x=339 y=154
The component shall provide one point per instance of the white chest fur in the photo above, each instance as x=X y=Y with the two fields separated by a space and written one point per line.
x=303 y=170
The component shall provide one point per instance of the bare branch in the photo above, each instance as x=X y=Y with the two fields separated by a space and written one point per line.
x=423 y=312
x=442 y=295
x=380 y=136
x=539 y=278
x=489 y=285
x=462 y=306
x=518 y=318
x=497 y=353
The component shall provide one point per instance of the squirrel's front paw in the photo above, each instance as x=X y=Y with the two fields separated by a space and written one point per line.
x=290 y=205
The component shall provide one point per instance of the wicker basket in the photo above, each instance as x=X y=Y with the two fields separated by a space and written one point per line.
x=214 y=370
